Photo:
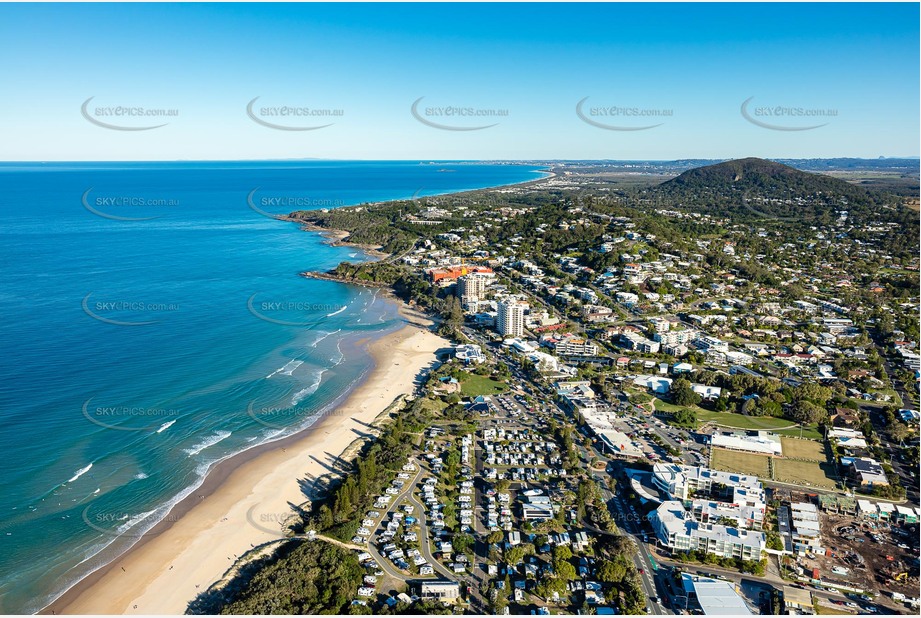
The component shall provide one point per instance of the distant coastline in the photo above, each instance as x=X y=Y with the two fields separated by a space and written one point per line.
x=339 y=238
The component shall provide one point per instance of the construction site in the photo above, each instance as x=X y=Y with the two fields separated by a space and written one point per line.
x=866 y=557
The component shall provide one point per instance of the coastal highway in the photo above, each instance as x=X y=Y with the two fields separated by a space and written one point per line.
x=643 y=560
x=619 y=510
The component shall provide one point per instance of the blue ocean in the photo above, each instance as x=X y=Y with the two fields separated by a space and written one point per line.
x=155 y=323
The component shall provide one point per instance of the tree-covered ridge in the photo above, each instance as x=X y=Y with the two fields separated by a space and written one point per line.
x=759 y=176
x=752 y=188
x=306 y=578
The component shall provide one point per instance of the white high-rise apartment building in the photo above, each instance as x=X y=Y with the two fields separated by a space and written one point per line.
x=510 y=321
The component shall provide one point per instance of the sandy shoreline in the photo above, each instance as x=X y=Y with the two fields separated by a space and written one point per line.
x=246 y=499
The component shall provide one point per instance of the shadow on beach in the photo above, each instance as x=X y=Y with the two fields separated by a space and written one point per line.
x=216 y=598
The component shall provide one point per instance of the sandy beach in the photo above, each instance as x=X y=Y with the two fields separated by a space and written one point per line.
x=243 y=505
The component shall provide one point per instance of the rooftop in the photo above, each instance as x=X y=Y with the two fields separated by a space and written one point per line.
x=715 y=596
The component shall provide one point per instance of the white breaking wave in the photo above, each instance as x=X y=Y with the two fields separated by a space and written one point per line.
x=133 y=521
x=325 y=335
x=140 y=476
x=209 y=441
x=79 y=473
x=344 y=307
x=304 y=392
x=165 y=426
x=287 y=370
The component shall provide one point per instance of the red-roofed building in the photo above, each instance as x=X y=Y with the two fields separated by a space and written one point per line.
x=453 y=272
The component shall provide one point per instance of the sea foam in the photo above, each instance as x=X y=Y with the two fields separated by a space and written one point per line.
x=209 y=441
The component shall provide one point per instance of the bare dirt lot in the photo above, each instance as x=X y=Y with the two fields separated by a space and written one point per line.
x=866 y=558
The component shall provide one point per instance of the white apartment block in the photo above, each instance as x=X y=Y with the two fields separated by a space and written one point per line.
x=639 y=343
x=684 y=482
x=510 y=318
x=676 y=529
x=576 y=347
x=675 y=337
x=707 y=343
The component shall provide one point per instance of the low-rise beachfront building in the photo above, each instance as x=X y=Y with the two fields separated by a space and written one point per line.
x=469 y=353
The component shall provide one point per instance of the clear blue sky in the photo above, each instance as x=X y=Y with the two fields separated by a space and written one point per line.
x=700 y=62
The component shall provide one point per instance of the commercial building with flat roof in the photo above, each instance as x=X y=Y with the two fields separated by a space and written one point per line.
x=762 y=442
x=618 y=443
x=715 y=597
x=439 y=590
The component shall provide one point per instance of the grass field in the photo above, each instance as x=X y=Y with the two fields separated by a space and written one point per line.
x=665 y=406
x=741 y=421
x=804 y=473
x=810 y=433
x=743 y=463
x=474 y=386
x=803 y=449
x=766 y=423
x=433 y=405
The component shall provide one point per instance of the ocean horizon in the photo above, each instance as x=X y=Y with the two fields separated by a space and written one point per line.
x=157 y=325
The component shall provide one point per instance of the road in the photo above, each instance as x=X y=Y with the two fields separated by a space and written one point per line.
x=425 y=544
x=642 y=560
x=384 y=562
